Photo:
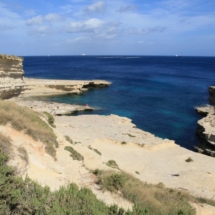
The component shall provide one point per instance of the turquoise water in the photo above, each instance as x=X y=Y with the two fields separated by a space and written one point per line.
x=158 y=93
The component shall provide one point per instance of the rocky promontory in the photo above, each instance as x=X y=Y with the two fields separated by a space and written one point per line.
x=46 y=87
x=206 y=126
x=13 y=83
x=11 y=76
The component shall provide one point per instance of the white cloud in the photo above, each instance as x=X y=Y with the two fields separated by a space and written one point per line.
x=127 y=9
x=90 y=26
x=38 y=20
x=98 y=7
x=41 y=31
x=80 y=40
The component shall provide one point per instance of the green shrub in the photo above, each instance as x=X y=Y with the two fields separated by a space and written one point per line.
x=123 y=143
x=26 y=197
x=113 y=182
x=97 y=172
x=69 y=139
x=50 y=119
x=112 y=164
x=189 y=160
x=97 y=151
x=147 y=198
x=74 y=154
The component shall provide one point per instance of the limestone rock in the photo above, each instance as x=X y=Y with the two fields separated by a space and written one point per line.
x=11 y=76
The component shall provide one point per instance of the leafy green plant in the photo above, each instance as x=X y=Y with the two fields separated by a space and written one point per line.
x=130 y=135
x=113 y=182
x=97 y=151
x=112 y=164
x=74 y=154
x=97 y=172
x=189 y=160
x=50 y=119
x=147 y=198
x=137 y=172
x=123 y=143
x=69 y=139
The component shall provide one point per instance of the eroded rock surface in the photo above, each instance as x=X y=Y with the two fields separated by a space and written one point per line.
x=206 y=126
x=45 y=87
x=11 y=76
x=212 y=94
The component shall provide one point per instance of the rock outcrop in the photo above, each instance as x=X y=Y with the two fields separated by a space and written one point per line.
x=46 y=87
x=206 y=126
x=11 y=76
x=212 y=94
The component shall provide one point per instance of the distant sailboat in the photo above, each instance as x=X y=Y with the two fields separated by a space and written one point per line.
x=83 y=54
x=176 y=55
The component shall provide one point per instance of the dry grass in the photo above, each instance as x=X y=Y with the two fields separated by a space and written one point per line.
x=158 y=199
x=26 y=120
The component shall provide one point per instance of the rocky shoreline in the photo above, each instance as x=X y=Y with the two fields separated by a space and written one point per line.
x=206 y=126
x=100 y=139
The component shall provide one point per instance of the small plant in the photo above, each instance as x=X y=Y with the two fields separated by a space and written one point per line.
x=69 y=139
x=74 y=154
x=112 y=164
x=189 y=160
x=137 y=172
x=50 y=119
x=130 y=135
x=97 y=172
x=114 y=182
x=97 y=151
x=123 y=143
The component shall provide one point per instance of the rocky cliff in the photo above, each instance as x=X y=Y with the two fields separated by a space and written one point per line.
x=212 y=94
x=11 y=76
x=206 y=126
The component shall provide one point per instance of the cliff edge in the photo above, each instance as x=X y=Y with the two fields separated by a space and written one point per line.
x=206 y=126
x=11 y=76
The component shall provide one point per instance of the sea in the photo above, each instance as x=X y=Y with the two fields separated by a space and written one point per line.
x=159 y=93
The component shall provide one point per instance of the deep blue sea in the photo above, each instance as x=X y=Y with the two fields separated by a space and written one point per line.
x=158 y=93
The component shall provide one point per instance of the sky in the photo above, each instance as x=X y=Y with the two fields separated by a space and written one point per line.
x=113 y=27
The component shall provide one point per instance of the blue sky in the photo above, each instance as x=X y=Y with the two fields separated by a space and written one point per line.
x=118 y=27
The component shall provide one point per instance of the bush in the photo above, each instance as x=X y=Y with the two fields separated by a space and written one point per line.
x=50 y=119
x=189 y=160
x=148 y=198
x=113 y=182
x=69 y=139
x=26 y=197
x=74 y=154
x=97 y=151
x=112 y=164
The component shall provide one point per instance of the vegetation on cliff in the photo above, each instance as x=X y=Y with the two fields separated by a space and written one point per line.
x=26 y=120
x=10 y=57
